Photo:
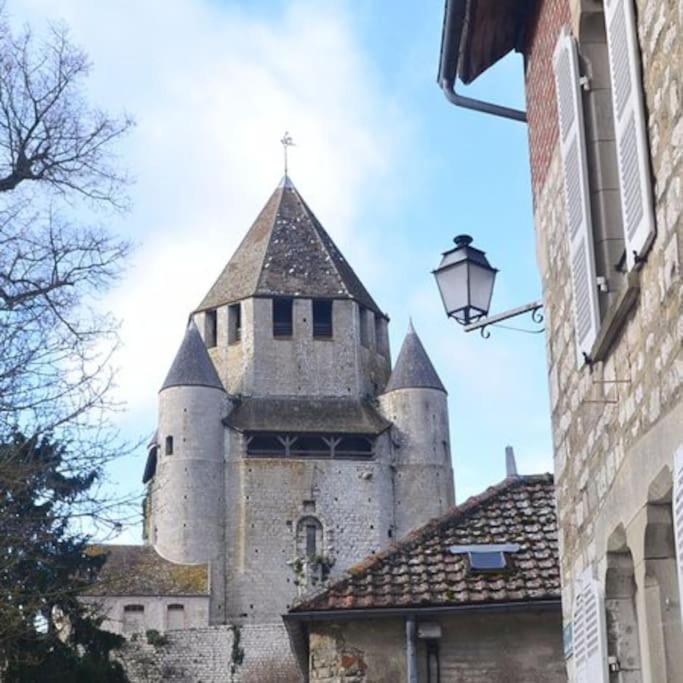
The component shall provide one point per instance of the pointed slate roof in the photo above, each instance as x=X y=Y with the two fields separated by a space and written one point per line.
x=192 y=364
x=287 y=252
x=413 y=368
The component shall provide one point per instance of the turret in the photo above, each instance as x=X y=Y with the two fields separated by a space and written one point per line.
x=416 y=402
x=188 y=485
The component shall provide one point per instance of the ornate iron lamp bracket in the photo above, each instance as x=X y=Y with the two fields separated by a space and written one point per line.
x=535 y=309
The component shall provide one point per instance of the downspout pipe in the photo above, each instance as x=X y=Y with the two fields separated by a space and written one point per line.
x=411 y=650
x=448 y=69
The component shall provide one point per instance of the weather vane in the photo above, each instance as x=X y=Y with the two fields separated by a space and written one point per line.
x=286 y=142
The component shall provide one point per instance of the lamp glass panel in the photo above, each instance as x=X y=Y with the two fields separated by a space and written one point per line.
x=452 y=282
x=481 y=287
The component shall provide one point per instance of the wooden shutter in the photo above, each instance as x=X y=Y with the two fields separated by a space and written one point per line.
x=577 y=202
x=589 y=631
x=678 y=518
x=630 y=126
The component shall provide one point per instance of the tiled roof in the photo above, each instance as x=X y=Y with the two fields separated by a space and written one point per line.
x=413 y=367
x=139 y=570
x=287 y=252
x=313 y=415
x=192 y=364
x=420 y=570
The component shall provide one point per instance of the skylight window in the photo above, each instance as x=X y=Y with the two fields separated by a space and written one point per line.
x=486 y=557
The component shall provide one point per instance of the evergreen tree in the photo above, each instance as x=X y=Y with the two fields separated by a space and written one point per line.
x=46 y=634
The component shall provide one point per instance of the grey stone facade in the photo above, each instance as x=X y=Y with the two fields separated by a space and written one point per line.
x=272 y=526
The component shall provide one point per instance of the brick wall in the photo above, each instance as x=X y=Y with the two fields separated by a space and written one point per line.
x=540 y=86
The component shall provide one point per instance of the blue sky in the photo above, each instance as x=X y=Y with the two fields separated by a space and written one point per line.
x=391 y=169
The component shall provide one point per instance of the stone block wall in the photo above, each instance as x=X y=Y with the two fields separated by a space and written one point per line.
x=617 y=424
x=217 y=654
x=524 y=647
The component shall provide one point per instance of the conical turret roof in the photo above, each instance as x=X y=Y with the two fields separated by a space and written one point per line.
x=192 y=364
x=287 y=252
x=413 y=368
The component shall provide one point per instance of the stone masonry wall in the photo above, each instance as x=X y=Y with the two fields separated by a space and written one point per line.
x=473 y=648
x=217 y=654
x=615 y=425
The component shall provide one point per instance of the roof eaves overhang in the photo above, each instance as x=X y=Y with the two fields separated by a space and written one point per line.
x=547 y=604
x=477 y=33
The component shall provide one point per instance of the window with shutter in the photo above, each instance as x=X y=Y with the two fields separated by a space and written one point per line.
x=577 y=204
x=678 y=518
x=633 y=159
x=589 y=631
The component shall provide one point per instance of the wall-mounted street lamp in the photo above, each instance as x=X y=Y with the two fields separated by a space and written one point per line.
x=465 y=279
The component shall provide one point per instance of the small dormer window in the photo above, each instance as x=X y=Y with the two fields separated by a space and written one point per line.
x=282 y=317
x=487 y=557
x=322 y=318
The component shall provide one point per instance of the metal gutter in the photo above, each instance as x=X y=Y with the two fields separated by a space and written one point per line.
x=454 y=23
x=388 y=612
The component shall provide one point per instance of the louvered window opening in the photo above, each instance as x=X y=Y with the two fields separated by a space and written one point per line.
x=339 y=447
x=283 y=325
x=322 y=319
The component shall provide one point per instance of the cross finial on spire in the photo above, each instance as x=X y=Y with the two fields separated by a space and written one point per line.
x=286 y=142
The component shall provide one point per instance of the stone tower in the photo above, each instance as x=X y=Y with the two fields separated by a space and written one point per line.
x=294 y=454
x=416 y=403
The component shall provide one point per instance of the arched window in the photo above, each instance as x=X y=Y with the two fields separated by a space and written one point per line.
x=309 y=537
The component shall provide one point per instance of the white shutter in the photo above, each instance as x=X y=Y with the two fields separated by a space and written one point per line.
x=630 y=126
x=589 y=632
x=577 y=201
x=678 y=518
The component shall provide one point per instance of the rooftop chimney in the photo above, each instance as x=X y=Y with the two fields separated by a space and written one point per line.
x=510 y=464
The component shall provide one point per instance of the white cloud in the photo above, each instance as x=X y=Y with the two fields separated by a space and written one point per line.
x=212 y=89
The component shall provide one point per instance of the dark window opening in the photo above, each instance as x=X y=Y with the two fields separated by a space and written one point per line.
x=234 y=323
x=310 y=446
x=311 y=533
x=282 y=317
x=364 y=332
x=169 y=445
x=211 y=328
x=322 y=318
x=356 y=446
x=265 y=444
x=353 y=446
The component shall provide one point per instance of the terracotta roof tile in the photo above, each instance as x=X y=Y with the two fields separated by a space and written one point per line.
x=420 y=570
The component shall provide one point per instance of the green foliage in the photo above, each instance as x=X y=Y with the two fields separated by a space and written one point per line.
x=46 y=634
x=155 y=638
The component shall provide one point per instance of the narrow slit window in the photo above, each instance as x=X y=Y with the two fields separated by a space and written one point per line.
x=234 y=323
x=364 y=332
x=282 y=317
x=311 y=533
x=169 y=445
x=211 y=328
x=322 y=319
